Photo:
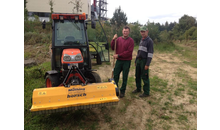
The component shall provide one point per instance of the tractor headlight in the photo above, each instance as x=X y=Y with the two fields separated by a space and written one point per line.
x=78 y=57
x=66 y=57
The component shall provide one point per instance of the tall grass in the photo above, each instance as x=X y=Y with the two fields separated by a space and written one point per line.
x=183 y=52
x=165 y=47
x=33 y=78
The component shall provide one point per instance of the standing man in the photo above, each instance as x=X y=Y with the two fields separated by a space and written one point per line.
x=142 y=62
x=124 y=49
x=43 y=24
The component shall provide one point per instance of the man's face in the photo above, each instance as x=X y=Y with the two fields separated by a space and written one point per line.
x=144 y=34
x=125 y=32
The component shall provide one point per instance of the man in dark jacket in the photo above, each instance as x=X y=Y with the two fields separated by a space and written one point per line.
x=43 y=24
x=124 y=49
x=142 y=62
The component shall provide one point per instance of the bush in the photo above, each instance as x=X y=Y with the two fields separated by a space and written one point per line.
x=36 y=26
x=194 y=35
x=135 y=33
x=165 y=47
x=164 y=35
x=191 y=34
x=31 y=38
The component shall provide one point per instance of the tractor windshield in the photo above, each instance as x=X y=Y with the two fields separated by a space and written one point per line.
x=69 y=33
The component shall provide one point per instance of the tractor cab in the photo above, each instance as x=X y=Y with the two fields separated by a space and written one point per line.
x=74 y=31
x=75 y=43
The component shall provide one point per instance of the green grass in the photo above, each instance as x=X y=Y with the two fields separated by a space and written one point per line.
x=165 y=117
x=158 y=84
x=193 y=64
x=33 y=78
x=188 y=53
x=149 y=124
x=182 y=118
x=165 y=47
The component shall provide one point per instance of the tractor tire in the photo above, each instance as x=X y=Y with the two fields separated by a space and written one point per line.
x=52 y=81
x=93 y=77
x=98 y=59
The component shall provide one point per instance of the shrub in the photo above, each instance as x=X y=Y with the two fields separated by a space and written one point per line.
x=31 y=38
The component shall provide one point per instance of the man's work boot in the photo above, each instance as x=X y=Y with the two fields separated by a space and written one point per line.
x=122 y=95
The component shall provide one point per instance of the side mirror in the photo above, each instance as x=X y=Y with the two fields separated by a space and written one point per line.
x=93 y=24
x=94 y=17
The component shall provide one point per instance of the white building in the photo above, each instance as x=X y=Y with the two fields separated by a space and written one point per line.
x=42 y=8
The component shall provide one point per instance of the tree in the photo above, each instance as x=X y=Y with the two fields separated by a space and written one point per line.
x=186 y=22
x=153 y=31
x=191 y=33
x=135 y=32
x=51 y=3
x=77 y=4
x=194 y=35
x=25 y=11
x=164 y=36
x=170 y=26
x=119 y=19
x=166 y=25
x=25 y=2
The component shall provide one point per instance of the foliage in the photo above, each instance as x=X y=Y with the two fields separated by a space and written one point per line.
x=36 y=26
x=194 y=35
x=77 y=5
x=164 y=35
x=97 y=33
x=25 y=11
x=135 y=32
x=51 y=3
x=186 y=22
x=191 y=34
x=118 y=20
x=153 y=31
x=167 y=26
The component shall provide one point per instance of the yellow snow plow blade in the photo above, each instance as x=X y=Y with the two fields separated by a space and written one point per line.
x=57 y=99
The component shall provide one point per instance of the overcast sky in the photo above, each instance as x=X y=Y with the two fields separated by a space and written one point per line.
x=153 y=10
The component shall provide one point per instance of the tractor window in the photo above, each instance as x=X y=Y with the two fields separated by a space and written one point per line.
x=69 y=33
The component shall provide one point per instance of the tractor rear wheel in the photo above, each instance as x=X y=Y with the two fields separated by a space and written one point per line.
x=93 y=77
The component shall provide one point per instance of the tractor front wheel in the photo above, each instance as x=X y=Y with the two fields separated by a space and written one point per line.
x=52 y=81
x=48 y=81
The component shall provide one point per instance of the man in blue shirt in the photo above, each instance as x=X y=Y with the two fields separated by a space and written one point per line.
x=142 y=62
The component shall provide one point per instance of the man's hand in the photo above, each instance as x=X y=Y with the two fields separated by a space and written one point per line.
x=115 y=56
x=146 y=67
x=115 y=36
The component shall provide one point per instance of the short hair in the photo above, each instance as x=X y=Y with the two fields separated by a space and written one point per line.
x=126 y=27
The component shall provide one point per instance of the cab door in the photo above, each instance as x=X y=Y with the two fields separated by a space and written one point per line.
x=98 y=43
